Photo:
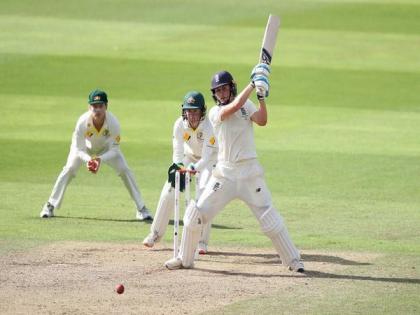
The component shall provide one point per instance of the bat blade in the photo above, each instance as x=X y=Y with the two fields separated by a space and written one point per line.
x=269 y=40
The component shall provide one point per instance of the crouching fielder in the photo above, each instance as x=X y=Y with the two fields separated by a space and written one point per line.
x=238 y=173
x=195 y=147
x=96 y=140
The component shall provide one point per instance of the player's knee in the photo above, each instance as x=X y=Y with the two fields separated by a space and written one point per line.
x=122 y=171
x=71 y=170
x=193 y=219
x=271 y=221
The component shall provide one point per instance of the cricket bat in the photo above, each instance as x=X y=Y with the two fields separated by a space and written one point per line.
x=269 y=40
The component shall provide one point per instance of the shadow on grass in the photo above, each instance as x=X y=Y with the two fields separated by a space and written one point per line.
x=213 y=226
x=100 y=219
x=305 y=257
x=311 y=274
x=171 y=222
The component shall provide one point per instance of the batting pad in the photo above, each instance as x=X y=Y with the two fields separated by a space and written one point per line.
x=190 y=235
x=164 y=210
x=273 y=226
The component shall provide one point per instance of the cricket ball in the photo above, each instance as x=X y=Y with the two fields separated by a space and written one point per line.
x=119 y=288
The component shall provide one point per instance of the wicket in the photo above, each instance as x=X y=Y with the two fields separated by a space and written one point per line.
x=187 y=197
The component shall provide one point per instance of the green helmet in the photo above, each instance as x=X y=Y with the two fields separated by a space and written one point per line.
x=194 y=100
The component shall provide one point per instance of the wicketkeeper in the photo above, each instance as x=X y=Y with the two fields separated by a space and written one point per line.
x=96 y=140
x=194 y=148
x=238 y=173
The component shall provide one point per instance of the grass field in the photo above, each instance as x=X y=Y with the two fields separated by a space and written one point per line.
x=341 y=150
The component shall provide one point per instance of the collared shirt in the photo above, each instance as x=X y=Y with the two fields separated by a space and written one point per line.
x=195 y=144
x=89 y=142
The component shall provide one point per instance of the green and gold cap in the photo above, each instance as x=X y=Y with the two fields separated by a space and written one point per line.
x=97 y=97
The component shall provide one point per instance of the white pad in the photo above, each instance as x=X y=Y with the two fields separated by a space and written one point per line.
x=273 y=226
x=164 y=210
x=190 y=234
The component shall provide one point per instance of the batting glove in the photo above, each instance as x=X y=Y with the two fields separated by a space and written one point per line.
x=261 y=69
x=262 y=86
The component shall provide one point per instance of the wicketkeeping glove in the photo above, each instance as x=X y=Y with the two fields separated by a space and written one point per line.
x=171 y=176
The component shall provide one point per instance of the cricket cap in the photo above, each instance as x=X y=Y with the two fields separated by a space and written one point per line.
x=97 y=97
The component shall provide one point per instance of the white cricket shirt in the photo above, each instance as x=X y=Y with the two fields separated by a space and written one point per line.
x=88 y=142
x=235 y=134
x=196 y=144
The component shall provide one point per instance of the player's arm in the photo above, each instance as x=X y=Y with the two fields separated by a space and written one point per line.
x=237 y=103
x=208 y=153
x=113 y=141
x=260 y=116
x=178 y=142
x=259 y=77
x=78 y=144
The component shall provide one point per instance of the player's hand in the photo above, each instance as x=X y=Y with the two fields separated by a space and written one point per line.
x=262 y=85
x=191 y=167
x=261 y=69
x=93 y=165
x=181 y=166
x=171 y=175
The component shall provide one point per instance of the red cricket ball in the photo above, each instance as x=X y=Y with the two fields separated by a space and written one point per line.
x=119 y=288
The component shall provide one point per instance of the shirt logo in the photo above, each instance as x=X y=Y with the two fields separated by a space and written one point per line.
x=212 y=140
x=200 y=135
x=244 y=113
x=216 y=186
x=117 y=139
x=187 y=136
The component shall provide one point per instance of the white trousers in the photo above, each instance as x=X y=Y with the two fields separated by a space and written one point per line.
x=244 y=181
x=165 y=207
x=73 y=164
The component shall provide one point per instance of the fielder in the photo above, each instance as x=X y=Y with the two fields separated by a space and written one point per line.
x=238 y=173
x=96 y=140
x=194 y=145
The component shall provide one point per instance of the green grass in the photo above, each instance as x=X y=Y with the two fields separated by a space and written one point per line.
x=341 y=150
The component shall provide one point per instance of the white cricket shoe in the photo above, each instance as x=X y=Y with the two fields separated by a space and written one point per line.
x=174 y=263
x=297 y=265
x=202 y=248
x=151 y=239
x=143 y=214
x=47 y=211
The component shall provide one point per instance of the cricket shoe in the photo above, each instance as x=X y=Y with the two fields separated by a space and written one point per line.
x=176 y=263
x=47 y=211
x=151 y=239
x=297 y=265
x=143 y=214
x=202 y=248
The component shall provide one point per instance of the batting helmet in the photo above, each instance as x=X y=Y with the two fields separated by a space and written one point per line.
x=223 y=78
x=194 y=100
